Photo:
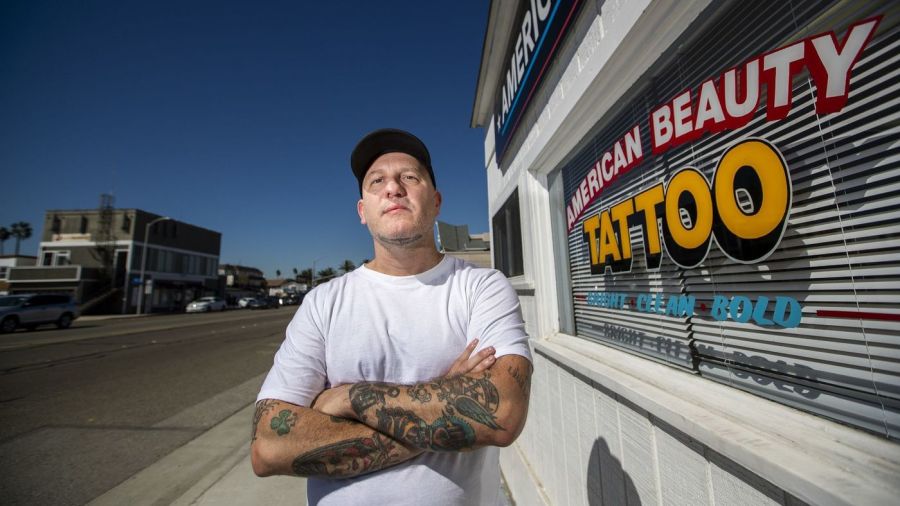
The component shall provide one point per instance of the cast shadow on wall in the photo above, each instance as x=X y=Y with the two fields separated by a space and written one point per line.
x=607 y=483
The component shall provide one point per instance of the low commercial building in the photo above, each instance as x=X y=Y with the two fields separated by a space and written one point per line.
x=697 y=203
x=279 y=287
x=96 y=256
x=8 y=261
x=241 y=281
x=456 y=241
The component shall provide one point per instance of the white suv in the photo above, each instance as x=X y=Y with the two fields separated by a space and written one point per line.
x=29 y=311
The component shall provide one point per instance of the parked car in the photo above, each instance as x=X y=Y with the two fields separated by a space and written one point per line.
x=243 y=301
x=263 y=303
x=290 y=299
x=206 y=305
x=31 y=310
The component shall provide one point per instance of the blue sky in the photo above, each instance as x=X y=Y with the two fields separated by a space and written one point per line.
x=235 y=116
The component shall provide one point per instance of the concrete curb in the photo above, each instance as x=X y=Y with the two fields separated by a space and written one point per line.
x=214 y=468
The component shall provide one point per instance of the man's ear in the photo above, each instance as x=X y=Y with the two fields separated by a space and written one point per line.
x=438 y=199
x=359 y=211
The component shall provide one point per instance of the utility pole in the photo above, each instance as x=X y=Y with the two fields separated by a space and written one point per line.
x=312 y=276
x=140 y=303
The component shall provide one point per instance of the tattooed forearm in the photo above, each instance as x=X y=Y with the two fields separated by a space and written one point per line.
x=262 y=407
x=447 y=433
x=523 y=379
x=457 y=401
x=283 y=422
x=367 y=394
x=350 y=458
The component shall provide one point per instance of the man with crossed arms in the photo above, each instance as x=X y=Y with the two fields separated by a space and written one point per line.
x=378 y=394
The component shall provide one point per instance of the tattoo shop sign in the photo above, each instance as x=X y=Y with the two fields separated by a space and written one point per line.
x=539 y=28
x=746 y=204
x=742 y=208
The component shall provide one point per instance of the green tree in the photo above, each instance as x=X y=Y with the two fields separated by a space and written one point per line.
x=325 y=274
x=295 y=275
x=4 y=235
x=277 y=274
x=305 y=276
x=347 y=266
x=21 y=231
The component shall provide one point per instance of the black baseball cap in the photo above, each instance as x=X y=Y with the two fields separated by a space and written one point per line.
x=387 y=140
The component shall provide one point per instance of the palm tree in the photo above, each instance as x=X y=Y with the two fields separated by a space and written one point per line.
x=21 y=230
x=305 y=276
x=347 y=266
x=277 y=274
x=325 y=274
x=295 y=274
x=4 y=235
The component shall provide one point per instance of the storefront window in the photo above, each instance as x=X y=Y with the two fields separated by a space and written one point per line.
x=508 y=238
x=736 y=216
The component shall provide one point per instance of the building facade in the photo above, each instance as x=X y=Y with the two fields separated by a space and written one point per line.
x=242 y=281
x=697 y=203
x=456 y=241
x=96 y=255
x=9 y=261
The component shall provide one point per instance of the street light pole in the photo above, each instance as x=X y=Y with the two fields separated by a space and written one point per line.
x=312 y=276
x=140 y=301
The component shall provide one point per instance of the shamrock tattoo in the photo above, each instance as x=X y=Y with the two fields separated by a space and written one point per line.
x=283 y=422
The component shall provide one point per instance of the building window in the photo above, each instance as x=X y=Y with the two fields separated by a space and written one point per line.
x=62 y=258
x=47 y=258
x=56 y=226
x=3 y=271
x=508 y=238
x=126 y=223
x=82 y=229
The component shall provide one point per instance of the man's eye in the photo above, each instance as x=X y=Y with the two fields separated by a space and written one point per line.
x=376 y=180
x=410 y=177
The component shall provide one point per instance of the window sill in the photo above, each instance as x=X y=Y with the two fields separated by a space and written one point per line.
x=522 y=285
x=817 y=460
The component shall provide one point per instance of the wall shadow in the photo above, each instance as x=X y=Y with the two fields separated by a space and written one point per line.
x=607 y=483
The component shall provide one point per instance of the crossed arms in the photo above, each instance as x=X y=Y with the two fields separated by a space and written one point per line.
x=356 y=429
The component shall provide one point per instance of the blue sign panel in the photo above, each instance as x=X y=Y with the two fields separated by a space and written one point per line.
x=541 y=27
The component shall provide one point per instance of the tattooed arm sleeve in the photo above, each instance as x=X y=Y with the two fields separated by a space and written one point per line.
x=293 y=440
x=450 y=413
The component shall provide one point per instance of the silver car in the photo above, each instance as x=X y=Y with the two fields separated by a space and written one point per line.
x=205 y=305
x=29 y=311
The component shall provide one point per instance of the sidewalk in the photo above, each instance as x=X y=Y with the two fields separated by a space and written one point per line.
x=212 y=469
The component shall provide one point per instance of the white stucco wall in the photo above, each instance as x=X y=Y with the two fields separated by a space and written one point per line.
x=607 y=427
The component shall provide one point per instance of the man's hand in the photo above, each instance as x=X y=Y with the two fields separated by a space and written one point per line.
x=466 y=364
x=336 y=401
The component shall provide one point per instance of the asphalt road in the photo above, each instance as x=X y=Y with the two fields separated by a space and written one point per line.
x=83 y=409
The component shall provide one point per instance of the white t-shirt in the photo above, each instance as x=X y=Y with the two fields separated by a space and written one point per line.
x=368 y=326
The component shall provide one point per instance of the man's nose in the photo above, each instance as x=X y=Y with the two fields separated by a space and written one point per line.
x=393 y=187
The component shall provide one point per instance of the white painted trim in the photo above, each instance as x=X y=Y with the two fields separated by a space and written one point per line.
x=814 y=459
x=129 y=244
x=78 y=243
